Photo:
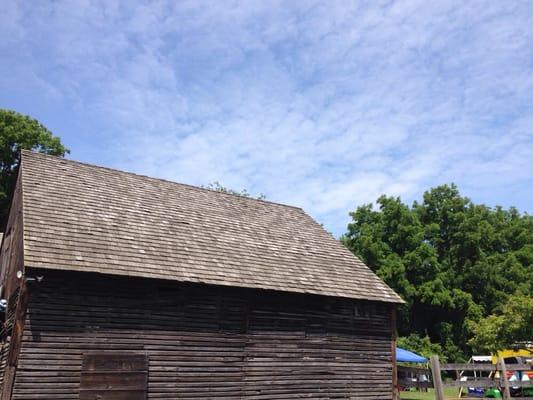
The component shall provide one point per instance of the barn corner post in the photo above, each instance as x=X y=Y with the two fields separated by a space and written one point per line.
x=394 y=333
x=15 y=344
x=13 y=290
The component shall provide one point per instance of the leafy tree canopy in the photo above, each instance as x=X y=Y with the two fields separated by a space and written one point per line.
x=510 y=326
x=421 y=345
x=218 y=187
x=453 y=262
x=19 y=132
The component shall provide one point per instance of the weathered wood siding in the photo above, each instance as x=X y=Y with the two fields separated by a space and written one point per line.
x=13 y=290
x=204 y=342
x=12 y=251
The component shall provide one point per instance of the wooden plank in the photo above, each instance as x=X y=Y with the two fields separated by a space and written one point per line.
x=111 y=375
x=483 y=367
x=518 y=367
x=486 y=383
x=114 y=362
x=115 y=395
x=113 y=380
x=437 y=378
x=7 y=385
x=395 y=389
x=503 y=372
x=468 y=367
x=18 y=328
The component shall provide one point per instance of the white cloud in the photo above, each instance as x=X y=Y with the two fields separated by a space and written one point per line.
x=320 y=104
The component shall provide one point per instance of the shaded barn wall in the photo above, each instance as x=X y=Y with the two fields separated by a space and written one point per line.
x=204 y=341
x=13 y=290
x=12 y=251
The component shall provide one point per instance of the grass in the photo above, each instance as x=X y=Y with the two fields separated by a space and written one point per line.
x=450 y=393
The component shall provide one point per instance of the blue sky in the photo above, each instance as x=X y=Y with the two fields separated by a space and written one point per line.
x=320 y=104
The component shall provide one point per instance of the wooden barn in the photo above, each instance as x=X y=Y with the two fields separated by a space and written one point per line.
x=119 y=286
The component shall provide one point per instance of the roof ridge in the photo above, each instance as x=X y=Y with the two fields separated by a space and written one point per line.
x=199 y=188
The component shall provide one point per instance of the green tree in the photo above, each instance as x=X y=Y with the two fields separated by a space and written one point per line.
x=421 y=345
x=19 y=132
x=511 y=325
x=453 y=261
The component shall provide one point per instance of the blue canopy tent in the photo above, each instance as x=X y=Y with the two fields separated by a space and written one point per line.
x=403 y=355
x=409 y=376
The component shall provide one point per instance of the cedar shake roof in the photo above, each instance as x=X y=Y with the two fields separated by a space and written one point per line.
x=86 y=218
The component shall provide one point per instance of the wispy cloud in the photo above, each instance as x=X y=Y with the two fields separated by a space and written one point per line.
x=321 y=104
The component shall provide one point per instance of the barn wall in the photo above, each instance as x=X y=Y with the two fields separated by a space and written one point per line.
x=13 y=290
x=204 y=341
x=12 y=251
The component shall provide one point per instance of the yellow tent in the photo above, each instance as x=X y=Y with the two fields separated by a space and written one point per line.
x=528 y=353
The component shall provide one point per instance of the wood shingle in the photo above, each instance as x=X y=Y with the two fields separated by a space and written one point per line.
x=81 y=217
